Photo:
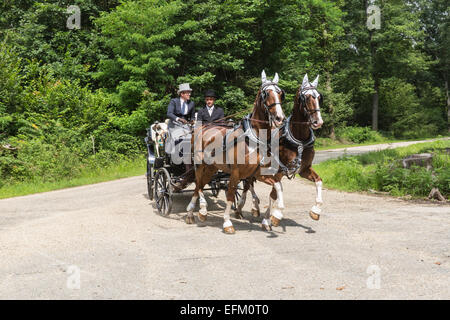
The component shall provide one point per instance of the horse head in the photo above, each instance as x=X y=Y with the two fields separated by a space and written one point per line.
x=310 y=100
x=270 y=97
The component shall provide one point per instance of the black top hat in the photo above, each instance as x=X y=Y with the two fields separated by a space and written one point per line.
x=210 y=93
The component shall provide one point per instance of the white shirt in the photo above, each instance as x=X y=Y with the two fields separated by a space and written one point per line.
x=182 y=101
x=210 y=110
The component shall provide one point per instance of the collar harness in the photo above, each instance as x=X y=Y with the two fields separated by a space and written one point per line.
x=292 y=168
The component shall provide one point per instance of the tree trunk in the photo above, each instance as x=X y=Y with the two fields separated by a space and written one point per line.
x=375 y=105
x=375 y=97
x=448 y=104
x=330 y=105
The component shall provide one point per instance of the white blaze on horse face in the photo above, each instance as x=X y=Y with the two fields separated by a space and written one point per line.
x=279 y=110
x=318 y=116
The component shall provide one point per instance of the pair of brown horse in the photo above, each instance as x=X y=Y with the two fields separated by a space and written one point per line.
x=292 y=153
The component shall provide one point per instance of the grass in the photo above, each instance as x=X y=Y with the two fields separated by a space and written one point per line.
x=382 y=171
x=119 y=170
x=327 y=144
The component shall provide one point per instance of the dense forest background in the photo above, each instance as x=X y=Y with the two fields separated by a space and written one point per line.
x=75 y=98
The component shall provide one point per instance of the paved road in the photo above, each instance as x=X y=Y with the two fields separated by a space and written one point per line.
x=109 y=238
x=353 y=151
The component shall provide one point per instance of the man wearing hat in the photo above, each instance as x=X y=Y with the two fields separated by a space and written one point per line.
x=180 y=111
x=210 y=112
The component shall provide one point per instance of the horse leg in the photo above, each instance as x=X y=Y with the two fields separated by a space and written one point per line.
x=191 y=206
x=266 y=222
x=278 y=204
x=311 y=175
x=238 y=211
x=255 y=201
x=206 y=178
x=232 y=185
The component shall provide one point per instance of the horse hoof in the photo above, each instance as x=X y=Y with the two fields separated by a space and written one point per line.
x=314 y=216
x=203 y=210
x=190 y=220
x=229 y=230
x=238 y=215
x=275 y=221
x=266 y=227
x=202 y=217
x=255 y=213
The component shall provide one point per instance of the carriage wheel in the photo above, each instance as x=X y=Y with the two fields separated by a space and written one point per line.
x=163 y=192
x=150 y=180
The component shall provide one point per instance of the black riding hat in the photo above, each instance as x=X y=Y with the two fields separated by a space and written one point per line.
x=210 y=93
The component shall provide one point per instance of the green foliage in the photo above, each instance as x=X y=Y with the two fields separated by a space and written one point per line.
x=358 y=134
x=91 y=93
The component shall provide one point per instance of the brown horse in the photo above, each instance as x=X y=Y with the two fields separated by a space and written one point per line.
x=237 y=158
x=296 y=152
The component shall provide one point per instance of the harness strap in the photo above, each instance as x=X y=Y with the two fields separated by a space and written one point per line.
x=301 y=145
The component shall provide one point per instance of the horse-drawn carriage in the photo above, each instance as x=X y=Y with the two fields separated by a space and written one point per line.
x=293 y=154
x=163 y=173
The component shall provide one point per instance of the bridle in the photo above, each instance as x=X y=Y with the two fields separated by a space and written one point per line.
x=264 y=95
x=302 y=98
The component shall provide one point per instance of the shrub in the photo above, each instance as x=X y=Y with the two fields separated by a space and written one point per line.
x=358 y=134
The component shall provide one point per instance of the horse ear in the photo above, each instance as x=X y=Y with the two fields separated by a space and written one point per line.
x=275 y=79
x=263 y=76
x=305 y=81
x=315 y=82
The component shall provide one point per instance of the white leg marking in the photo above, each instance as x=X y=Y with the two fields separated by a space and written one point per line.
x=203 y=205
x=255 y=199
x=191 y=205
x=279 y=188
x=316 y=208
x=226 y=216
x=277 y=214
x=319 y=192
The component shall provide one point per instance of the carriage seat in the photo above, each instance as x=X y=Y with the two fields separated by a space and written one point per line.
x=159 y=132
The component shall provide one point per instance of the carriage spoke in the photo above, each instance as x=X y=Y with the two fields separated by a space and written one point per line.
x=166 y=204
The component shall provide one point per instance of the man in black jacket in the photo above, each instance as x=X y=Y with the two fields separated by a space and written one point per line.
x=181 y=109
x=210 y=112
